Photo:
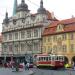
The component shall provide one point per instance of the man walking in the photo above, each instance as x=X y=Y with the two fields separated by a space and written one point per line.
x=25 y=62
x=27 y=65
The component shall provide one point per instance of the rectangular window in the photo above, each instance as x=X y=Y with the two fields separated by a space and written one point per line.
x=5 y=48
x=44 y=49
x=10 y=48
x=36 y=47
x=71 y=36
x=55 y=48
x=64 y=36
x=35 y=32
x=64 y=48
x=49 y=50
x=49 y=39
x=28 y=33
x=10 y=36
x=5 y=37
x=22 y=47
x=55 y=38
x=72 y=47
x=44 y=39
x=16 y=48
x=16 y=35
x=22 y=34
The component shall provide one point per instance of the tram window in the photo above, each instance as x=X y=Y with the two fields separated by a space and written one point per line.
x=53 y=58
x=56 y=57
x=39 y=58
x=43 y=58
x=49 y=58
x=60 y=58
x=46 y=58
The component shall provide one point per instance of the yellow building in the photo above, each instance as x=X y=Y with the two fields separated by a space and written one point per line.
x=59 y=38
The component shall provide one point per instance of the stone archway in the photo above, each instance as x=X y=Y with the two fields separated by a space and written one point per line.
x=73 y=59
x=66 y=59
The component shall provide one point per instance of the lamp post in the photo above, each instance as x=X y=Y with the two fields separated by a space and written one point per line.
x=4 y=60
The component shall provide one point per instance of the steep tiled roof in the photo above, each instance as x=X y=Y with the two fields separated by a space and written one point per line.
x=68 y=21
x=68 y=26
x=50 y=16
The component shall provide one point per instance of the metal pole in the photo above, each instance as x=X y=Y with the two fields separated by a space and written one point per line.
x=4 y=60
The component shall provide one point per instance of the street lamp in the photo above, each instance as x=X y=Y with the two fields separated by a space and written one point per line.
x=4 y=59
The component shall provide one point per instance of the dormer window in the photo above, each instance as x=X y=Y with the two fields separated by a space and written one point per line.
x=59 y=28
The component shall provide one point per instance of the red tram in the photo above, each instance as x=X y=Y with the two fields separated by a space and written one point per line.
x=52 y=61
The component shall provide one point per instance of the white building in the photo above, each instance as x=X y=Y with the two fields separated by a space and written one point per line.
x=22 y=33
x=0 y=44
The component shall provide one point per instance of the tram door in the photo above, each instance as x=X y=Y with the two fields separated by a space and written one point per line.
x=52 y=60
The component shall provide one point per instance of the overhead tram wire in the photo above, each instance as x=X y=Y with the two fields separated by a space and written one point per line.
x=33 y=3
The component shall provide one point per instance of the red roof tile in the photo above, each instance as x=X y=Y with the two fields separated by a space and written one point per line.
x=69 y=25
x=68 y=21
x=50 y=15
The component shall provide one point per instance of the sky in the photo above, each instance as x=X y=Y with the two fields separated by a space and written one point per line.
x=63 y=9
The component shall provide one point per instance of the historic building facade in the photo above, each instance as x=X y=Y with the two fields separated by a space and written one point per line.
x=21 y=33
x=59 y=38
x=0 y=45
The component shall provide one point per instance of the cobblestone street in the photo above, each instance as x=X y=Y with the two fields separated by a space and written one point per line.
x=53 y=72
x=7 y=71
x=33 y=71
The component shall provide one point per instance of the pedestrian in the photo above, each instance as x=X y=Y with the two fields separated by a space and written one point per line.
x=17 y=65
x=25 y=62
x=23 y=65
x=27 y=66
